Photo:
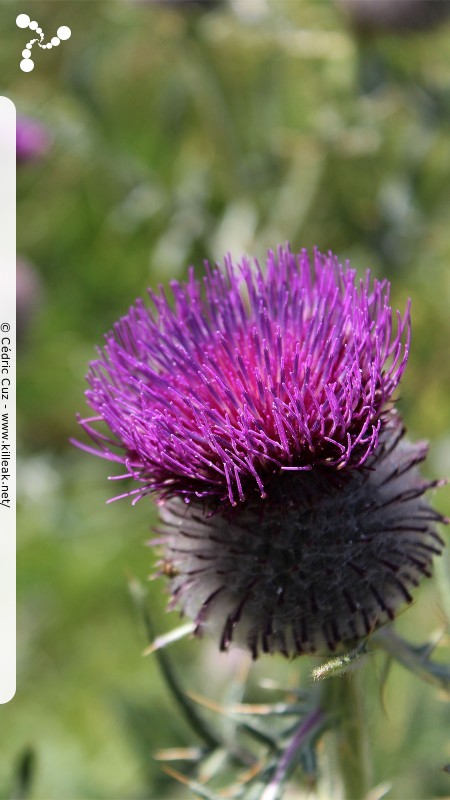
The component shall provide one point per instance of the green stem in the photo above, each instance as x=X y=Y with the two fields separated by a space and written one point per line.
x=343 y=700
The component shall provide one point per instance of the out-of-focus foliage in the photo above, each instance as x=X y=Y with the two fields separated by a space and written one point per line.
x=180 y=133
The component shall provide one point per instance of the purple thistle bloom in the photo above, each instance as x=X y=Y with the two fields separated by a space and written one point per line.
x=32 y=140
x=248 y=375
x=258 y=407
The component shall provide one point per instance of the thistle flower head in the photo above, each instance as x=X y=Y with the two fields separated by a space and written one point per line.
x=257 y=405
x=248 y=374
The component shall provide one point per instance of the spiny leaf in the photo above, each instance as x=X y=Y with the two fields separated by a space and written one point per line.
x=190 y=713
x=413 y=658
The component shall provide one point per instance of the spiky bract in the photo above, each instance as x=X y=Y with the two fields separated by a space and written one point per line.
x=327 y=558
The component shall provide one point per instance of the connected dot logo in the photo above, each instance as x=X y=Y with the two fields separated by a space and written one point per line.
x=62 y=34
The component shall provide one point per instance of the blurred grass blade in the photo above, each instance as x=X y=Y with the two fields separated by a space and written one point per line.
x=24 y=775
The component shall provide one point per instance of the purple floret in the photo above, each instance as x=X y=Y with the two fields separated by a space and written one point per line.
x=246 y=374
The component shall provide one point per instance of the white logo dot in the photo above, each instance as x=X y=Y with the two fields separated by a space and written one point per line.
x=55 y=41
x=64 y=32
x=38 y=30
x=33 y=25
x=26 y=65
x=48 y=46
x=26 y=53
x=23 y=21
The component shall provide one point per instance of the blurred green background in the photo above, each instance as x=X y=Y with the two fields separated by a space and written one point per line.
x=180 y=133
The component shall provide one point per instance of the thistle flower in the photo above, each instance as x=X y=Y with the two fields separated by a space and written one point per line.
x=257 y=407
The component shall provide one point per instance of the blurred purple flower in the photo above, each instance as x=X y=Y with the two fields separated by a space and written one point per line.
x=32 y=140
x=397 y=16
x=183 y=5
x=249 y=374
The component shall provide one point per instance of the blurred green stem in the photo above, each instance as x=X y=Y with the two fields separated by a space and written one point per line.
x=342 y=698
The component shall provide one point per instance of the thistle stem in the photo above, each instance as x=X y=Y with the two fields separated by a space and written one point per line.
x=343 y=700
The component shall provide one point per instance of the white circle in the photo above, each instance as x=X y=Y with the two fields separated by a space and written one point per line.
x=49 y=46
x=23 y=21
x=55 y=41
x=38 y=30
x=27 y=65
x=33 y=25
x=26 y=53
x=64 y=32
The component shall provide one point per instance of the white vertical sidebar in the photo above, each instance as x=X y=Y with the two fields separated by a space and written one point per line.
x=7 y=399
